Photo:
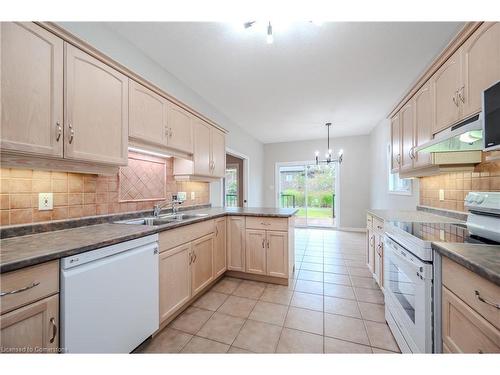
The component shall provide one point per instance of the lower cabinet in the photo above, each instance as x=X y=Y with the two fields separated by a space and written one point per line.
x=267 y=252
x=175 y=279
x=32 y=328
x=256 y=246
x=277 y=254
x=236 y=243
x=202 y=267
x=378 y=259
x=370 y=257
x=220 y=258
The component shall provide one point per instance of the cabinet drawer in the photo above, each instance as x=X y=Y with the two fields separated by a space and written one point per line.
x=465 y=283
x=369 y=221
x=378 y=224
x=465 y=331
x=31 y=283
x=176 y=237
x=267 y=223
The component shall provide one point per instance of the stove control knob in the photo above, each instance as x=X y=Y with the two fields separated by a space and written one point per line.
x=479 y=199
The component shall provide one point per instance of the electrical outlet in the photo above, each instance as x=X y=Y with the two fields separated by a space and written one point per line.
x=181 y=195
x=441 y=194
x=193 y=195
x=45 y=201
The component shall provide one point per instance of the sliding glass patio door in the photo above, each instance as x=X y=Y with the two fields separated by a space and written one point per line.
x=311 y=189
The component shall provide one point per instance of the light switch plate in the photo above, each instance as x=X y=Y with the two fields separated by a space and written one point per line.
x=193 y=195
x=45 y=201
x=441 y=194
x=181 y=195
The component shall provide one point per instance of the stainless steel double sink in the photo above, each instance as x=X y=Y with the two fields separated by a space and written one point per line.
x=162 y=219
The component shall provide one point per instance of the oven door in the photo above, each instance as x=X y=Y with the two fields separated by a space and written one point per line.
x=408 y=288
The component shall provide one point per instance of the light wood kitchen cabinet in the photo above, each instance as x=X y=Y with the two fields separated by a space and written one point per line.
x=96 y=110
x=218 y=153
x=277 y=254
x=32 y=328
x=236 y=243
x=255 y=251
x=202 y=268
x=407 y=132
x=379 y=260
x=371 y=250
x=480 y=66
x=147 y=115
x=445 y=87
x=395 y=144
x=31 y=90
x=423 y=118
x=179 y=129
x=175 y=279
x=220 y=259
x=201 y=156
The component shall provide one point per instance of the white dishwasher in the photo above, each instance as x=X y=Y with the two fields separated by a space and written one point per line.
x=109 y=297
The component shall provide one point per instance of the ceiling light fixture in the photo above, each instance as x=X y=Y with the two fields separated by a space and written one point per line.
x=329 y=154
x=270 y=38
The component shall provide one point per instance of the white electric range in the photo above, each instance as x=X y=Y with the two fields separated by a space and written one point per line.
x=412 y=268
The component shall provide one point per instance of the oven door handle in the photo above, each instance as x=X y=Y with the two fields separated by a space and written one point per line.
x=394 y=249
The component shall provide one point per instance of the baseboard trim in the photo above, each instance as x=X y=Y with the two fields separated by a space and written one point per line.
x=352 y=229
x=262 y=278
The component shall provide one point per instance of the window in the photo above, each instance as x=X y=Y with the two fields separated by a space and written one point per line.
x=397 y=185
x=231 y=185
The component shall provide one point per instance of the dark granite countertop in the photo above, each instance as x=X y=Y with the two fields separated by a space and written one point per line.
x=483 y=260
x=23 y=251
x=410 y=215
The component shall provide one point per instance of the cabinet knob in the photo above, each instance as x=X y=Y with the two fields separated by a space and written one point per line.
x=59 y=131
x=461 y=95
x=71 y=133
x=54 y=330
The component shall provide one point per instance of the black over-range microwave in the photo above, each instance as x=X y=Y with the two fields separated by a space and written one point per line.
x=491 y=119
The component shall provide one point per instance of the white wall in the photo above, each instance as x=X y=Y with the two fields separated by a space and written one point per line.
x=133 y=58
x=354 y=189
x=380 y=138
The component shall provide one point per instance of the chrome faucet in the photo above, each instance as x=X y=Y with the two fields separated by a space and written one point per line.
x=173 y=202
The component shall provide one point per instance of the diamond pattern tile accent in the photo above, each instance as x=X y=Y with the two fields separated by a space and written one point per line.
x=142 y=180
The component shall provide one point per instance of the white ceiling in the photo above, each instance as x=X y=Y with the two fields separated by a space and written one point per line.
x=350 y=74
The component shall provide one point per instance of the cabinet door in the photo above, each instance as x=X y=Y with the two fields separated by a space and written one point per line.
x=406 y=121
x=446 y=82
x=220 y=247
x=423 y=124
x=480 y=66
x=395 y=144
x=218 y=143
x=96 y=121
x=175 y=279
x=31 y=89
x=180 y=135
x=148 y=115
x=378 y=261
x=256 y=245
x=202 y=267
x=277 y=254
x=465 y=331
x=201 y=153
x=33 y=327
x=371 y=250
x=236 y=243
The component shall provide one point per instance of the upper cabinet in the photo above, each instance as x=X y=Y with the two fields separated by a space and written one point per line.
x=147 y=115
x=218 y=153
x=180 y=129
x=96 y=126
x=406 y=128
x=395 y=144
x=423 y=124
x=201 y=157
x=480 y=66
x=31 y=92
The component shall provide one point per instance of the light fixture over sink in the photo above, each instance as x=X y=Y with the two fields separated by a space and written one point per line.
x=329 y=153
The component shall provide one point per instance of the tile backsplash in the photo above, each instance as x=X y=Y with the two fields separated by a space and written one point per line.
x=76 y=195
x=485 y=177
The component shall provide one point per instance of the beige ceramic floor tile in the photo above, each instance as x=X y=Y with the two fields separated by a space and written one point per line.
x=342 y=270
x=202 y=345
x=369 y=295
x=305 y=320
x=359 y=271
x=191 y=320
x=346 y=328
x=307 y=286
x=382 y=351
x=250 y=289
x=340 y=291
x=342 y=306
x=258 y=337
x=364 y=282
x=372 y=311
x=310 y=275
x=277 y=294
x=312 y=266
x=307 y=301
x=344 y=347
x=293 y=341
x=227 y=285
x=268 y=312
x=335 y=278
x=221 y=327
x=235 y=350
x=210 y=300
x=237 y=306
x=167 y=341
x=381 y=336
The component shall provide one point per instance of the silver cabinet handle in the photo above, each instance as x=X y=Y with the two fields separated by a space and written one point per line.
x=20 y=290
x=267 y=244
x=194 y=257
x=170 y=132
x=398 y=159
x=59 y=131
x=478 y=295
x=461 y=95
x=54 y=330
x=190 y=258
x=454 y=97
x=216 y=231
x=71 y=133
x=263 y=240
x=266 y=224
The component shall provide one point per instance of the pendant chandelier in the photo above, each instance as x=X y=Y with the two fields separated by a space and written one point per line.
x=329 y=153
